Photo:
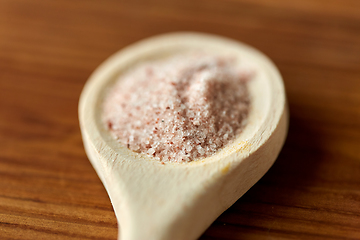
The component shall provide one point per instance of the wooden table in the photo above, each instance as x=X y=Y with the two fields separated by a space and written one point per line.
x=49 y=190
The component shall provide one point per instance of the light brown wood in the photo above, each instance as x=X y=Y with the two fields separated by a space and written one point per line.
x=179 y=201
x=48 y=49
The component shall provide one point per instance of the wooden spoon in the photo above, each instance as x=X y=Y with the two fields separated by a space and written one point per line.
x=175 y=201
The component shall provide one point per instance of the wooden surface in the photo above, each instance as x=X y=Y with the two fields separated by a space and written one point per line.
x=49 y=190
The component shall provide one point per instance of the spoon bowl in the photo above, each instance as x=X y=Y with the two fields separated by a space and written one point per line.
x=176 y=201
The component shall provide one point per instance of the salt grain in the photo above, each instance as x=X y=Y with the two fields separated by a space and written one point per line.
x=179 y=109
x=150 y=151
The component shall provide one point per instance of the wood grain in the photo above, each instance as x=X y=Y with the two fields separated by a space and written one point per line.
x=49 y=190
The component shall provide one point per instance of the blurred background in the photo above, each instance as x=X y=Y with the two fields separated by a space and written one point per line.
x=48 y=49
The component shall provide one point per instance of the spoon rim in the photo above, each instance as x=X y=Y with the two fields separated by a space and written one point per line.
x=98 y=83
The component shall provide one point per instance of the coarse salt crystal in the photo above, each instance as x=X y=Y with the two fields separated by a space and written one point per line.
x=151 y=151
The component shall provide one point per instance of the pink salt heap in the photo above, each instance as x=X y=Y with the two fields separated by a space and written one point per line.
x=181 y=109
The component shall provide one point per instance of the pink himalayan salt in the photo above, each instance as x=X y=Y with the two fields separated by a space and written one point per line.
x=180 y=109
